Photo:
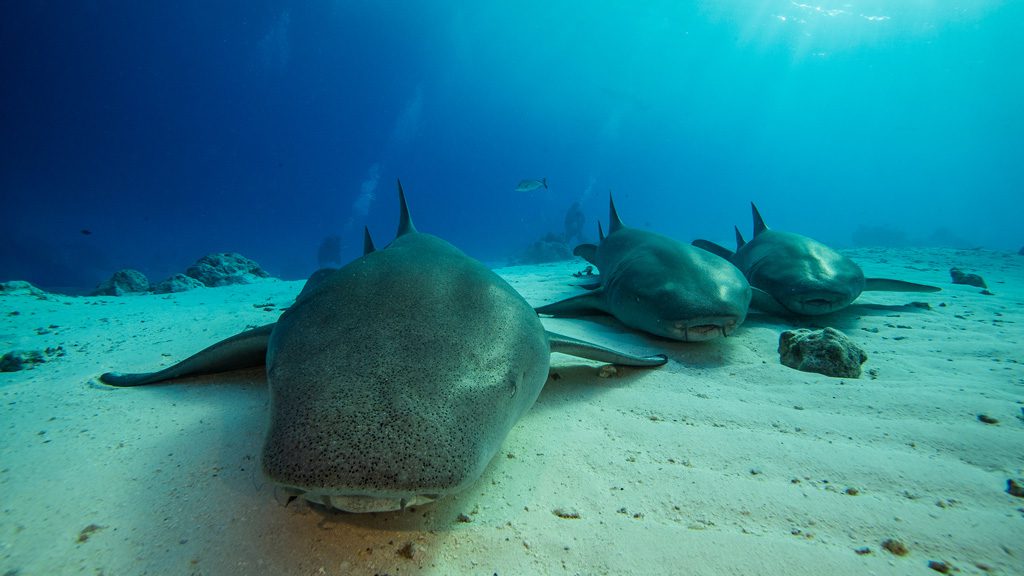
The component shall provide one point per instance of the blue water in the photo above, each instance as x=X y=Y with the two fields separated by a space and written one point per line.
x=171 y=130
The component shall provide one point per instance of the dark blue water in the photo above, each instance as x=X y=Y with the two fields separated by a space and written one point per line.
x=170 y=130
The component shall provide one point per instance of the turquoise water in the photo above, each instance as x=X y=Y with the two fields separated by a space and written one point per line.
x=146 y=135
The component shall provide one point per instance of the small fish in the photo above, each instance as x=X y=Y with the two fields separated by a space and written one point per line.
x=85 y=232
x=531 y=185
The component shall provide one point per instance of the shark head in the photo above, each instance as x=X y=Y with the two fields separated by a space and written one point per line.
x=804 y=276
x=695 y=296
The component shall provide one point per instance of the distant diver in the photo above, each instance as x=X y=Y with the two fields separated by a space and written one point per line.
x=531 y=185
x=329 y=252
x=574 y=221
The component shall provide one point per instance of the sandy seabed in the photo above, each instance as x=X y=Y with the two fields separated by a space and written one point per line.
x=721 y=462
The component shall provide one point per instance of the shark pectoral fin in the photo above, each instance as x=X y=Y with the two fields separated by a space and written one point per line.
x=584 y=349
x=765 y=302
x=124 y=380
x=245 y=350
x=888 y=285
x=583 y=305
x=716 y=249
x=586 y=251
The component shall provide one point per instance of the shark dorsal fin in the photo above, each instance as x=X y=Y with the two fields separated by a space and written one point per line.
x=600 y=231
x=367 y=241
x=405 y=225
x=739 y=238
x=758 y=221
x=614 y=224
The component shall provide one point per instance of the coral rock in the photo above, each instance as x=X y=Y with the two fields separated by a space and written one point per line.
x=547 y=249
x=177 y=283
x=123 y=282
x=224 y=268
x=16 y=360
x=20 y=288
x=961 y=277
x=827 y=352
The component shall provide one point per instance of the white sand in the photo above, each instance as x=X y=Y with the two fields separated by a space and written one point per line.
x=721 y=462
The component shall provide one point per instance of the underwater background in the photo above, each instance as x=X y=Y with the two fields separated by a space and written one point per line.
x=148 y=134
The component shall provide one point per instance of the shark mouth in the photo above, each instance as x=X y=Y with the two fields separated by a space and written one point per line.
x=359 y=503
x=820 y=303
x=701 y=329
x=817 y=303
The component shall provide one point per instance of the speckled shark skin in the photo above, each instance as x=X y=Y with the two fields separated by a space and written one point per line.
x=395 y=379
